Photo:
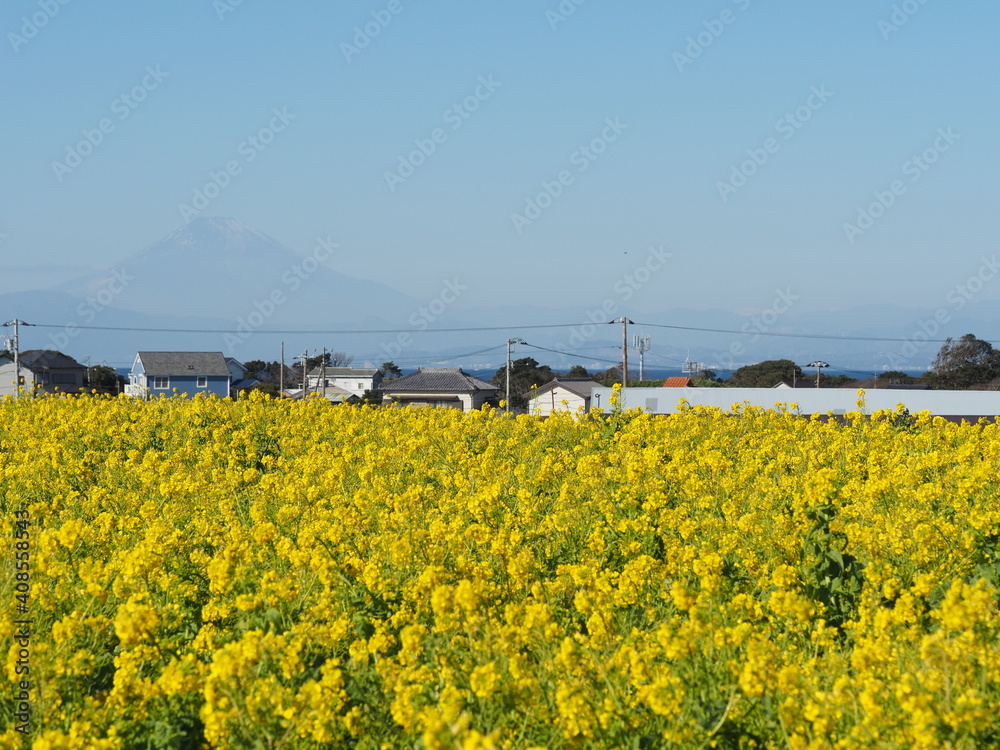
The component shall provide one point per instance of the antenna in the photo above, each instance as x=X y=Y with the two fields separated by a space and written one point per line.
x=691 y=368
x=640 y=342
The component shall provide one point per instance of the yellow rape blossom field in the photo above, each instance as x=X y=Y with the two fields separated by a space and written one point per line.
x=275 y=574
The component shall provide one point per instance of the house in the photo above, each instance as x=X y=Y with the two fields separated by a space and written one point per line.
x=42 y=371
x=448 y=387
x=561 y=394
x=677 y=382
x=238 y=373
x=799 y=383
x=351 y=379
x=331 y=393
x=190 y=373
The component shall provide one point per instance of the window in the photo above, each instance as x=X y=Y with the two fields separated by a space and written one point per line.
x=63 y=378
x=161 y=382
x=361 y=386
x=203 y=381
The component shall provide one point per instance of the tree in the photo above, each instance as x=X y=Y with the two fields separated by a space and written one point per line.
x=897 y=377
x=836 y=381
x=269 y=375
x=255 y=368
x=104 y=379
x=389 y=370
x=609 y=377
x=964 y=363
x=765 y=374
x=578 y=371
x=524 y=373
x=340 y=359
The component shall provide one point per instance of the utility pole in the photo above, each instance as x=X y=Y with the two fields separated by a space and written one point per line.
x=322 y=371
x=509 y=342
x=624 y=321
x=818 y=365
x=14 y=346
x=641 y=344
x=305 y=369
x=690 y=368
x=281 y=371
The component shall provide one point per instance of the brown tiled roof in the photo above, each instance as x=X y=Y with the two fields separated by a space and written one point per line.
x=677 y=382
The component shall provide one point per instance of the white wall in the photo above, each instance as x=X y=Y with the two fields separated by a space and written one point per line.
x=810 y=400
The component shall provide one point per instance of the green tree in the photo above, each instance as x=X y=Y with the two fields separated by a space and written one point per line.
x=964 y=363
x=897 y=377
x=609 y=377
x=765 y=374
x=578 y=371
x=524 y=373
x=389 y=370
x=104 y=379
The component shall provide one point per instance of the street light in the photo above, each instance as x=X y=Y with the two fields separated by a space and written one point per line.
x=818 y=365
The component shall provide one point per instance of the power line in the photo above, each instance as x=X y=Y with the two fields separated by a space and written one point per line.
x=800 y=335
x=330 y=332
x=474 y=329
x=573 y=354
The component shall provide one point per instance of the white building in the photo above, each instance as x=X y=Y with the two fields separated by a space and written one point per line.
x=351 y=379
x=561 y=394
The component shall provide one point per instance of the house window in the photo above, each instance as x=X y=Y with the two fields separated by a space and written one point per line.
x=161 y=382
x=361 y=386
x=203 y=381
x=63 y=378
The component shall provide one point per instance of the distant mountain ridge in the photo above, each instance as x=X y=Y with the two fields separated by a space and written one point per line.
x=223 y=285
x=221 y=268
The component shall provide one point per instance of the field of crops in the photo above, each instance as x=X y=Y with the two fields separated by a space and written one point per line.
x=260 y=574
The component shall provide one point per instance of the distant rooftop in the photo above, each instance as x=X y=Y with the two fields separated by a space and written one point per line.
x=437 y=380
x=184 y=363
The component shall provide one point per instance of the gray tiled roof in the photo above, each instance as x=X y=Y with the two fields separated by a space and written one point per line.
x=580 y=386
x=46 y=358
x=184 y=363
x=437 y=380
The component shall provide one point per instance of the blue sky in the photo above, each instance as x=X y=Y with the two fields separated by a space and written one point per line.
x=697 y=90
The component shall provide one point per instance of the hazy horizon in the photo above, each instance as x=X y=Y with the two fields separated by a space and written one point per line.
x=717 y=156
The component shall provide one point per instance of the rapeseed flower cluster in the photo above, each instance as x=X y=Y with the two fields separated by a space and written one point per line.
x=258 y=573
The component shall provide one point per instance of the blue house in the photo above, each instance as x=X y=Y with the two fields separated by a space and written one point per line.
x=167 y=373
